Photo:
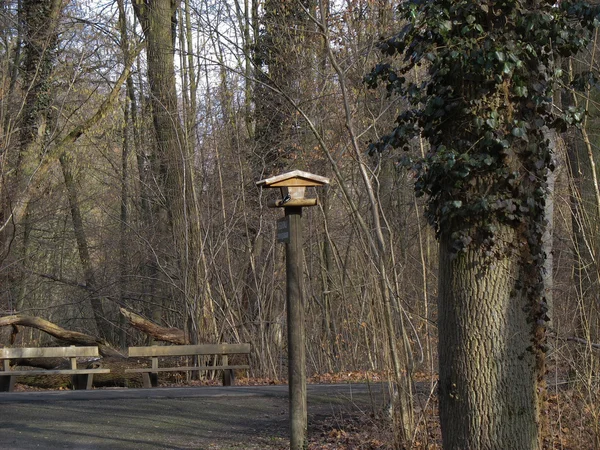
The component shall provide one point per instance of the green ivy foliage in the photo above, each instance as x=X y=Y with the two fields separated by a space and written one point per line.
x=485 y=106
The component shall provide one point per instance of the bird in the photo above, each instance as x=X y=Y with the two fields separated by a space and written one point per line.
x=286 y=199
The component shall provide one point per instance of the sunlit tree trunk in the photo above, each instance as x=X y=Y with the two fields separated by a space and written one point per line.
x=487 y=373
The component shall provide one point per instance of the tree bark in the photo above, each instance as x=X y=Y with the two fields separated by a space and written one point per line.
x=487 y=372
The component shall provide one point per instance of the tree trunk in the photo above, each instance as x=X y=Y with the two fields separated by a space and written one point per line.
x=14 y=65
x=173 y=335
x=176 y=164
x=102 y=324
x=487 y=372
x=124 y=219
x=41 y=19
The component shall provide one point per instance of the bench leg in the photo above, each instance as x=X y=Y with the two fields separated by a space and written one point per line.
x=228 y=377
x=7 y=383
x=150 y=379
x=82 y=381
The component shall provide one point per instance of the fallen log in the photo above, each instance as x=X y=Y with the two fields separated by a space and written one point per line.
x=164 y=334
x=112 y=359
x=116 y=378
x=71 y=337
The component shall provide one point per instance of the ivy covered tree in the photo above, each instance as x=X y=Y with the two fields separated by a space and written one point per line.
x=486 y=110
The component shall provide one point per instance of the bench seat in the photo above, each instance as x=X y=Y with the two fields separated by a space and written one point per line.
x=80 y=378
x=150 y=374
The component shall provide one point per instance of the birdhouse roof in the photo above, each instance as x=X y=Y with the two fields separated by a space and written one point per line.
x=296 y=178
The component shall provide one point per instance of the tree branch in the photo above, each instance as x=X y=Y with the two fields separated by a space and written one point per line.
x=173 y=335
x=72 y=337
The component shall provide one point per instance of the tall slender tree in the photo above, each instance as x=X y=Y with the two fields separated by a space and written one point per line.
x=158 y=18
x=40 y=21
x=285 y=56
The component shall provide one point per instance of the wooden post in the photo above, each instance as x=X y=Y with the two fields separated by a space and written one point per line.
x=295 y=318
x=293 y=186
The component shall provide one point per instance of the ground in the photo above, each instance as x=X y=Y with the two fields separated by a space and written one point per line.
x=570 y=418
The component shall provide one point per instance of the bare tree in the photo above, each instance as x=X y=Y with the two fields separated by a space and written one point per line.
x=180 y=187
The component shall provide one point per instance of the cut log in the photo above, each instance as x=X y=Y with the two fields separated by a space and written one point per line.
x=173 y=335
x=71 y=337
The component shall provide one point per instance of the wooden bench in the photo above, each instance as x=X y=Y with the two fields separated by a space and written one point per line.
x=80 y=378
x=150 y=374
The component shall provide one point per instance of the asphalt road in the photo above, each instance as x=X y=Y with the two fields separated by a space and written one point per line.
x=238 y=417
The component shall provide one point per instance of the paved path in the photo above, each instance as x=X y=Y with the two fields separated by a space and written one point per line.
x=239 y=417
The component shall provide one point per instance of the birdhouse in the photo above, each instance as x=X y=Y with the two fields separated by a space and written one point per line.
x=293 y=186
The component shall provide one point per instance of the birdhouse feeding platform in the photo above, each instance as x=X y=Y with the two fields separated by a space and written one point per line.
x=289 y=230
x=293 y=185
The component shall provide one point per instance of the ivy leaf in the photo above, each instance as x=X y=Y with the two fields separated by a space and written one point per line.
x=492 y=123
x=521 y=91
x=518 y=132
x=507 y=68
x=445 y=26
